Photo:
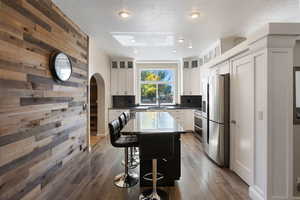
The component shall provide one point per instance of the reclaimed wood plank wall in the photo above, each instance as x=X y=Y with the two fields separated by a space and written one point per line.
x=42 y=123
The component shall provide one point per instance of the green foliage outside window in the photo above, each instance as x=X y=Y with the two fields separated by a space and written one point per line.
x=164 y=89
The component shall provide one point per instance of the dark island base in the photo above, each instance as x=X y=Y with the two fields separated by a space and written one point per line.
x=171 y=168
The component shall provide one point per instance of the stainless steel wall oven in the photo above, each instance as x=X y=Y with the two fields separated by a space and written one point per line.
x=198 y=124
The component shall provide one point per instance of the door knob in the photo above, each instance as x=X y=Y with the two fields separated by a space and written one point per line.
x=233 y=121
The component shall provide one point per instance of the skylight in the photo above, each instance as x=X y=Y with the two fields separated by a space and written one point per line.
x=144 y=39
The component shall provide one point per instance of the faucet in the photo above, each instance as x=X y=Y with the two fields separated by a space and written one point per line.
x=158 y=99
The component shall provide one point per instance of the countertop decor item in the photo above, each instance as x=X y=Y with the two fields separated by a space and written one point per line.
x=61 y=66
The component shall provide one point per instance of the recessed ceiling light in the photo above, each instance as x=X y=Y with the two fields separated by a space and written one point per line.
x=180 y=40
x=174 y=51
x=133 y=40
x=195 y=15
x=124 y=14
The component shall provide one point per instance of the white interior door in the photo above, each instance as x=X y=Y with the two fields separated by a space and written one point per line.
x=242 y=108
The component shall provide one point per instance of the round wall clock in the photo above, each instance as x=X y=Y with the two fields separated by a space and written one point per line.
x=61 y=66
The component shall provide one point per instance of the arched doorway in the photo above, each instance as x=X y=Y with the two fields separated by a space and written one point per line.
x=97 y=109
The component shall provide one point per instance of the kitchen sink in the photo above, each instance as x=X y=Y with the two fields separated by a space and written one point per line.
x=160 y=107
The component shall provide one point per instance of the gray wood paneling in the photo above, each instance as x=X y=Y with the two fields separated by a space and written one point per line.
x=42 y=122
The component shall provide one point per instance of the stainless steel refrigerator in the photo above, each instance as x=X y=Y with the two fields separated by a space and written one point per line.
x=215 y=112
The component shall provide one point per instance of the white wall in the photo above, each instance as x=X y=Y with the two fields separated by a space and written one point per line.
x=99 y=63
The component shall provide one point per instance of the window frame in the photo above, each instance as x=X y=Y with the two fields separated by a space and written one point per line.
x=173 y=83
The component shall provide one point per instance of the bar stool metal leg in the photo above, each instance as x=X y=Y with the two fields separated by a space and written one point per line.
x=126 y=179
x=136 y=154
x=134 y=161
x=153 y=195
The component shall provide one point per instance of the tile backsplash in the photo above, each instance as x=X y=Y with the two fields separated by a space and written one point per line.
x=123 y=101
x=191 y=101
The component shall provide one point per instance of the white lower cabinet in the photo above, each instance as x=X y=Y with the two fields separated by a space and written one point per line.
x=114 y=114
x=188 y=118
x=185 y=117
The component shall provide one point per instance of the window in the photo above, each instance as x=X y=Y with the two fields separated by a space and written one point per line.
x=157 y=86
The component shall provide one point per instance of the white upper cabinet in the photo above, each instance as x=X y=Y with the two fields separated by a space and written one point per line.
x=122 y=77
x=187 y=82
x=130 y=82
x=220 y=47
x=191 y=77
x=114 y=86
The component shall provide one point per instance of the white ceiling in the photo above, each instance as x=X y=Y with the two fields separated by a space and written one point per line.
x=151 y=20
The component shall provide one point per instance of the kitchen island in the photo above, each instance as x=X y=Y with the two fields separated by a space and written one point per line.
x=158 y=124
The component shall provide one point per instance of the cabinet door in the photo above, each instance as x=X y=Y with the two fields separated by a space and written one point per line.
x=114 y=82
x=130 y=82
x=177 y=115
x=188 y=116
x=242 y=115
x=122 y=81
x=195 y=81
x=187 y=82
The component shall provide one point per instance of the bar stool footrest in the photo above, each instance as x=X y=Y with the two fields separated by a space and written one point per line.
x=147 y=176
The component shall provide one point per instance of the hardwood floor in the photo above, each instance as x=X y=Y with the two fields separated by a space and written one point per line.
x=201 y=179
x=95 y=139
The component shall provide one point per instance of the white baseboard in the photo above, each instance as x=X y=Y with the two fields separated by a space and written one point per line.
x=285 y=198
x=280 y=198
x=254 y=194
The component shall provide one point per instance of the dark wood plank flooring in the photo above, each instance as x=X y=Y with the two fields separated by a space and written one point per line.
x=201 y=179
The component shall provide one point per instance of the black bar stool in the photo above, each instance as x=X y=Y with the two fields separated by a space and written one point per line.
x=122 y=120
x=127 y=116
x=155 y=147
x=126 y=179
x=132 y=160
x=134 y=150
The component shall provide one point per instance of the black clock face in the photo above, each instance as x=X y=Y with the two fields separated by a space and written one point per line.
x=62 y=66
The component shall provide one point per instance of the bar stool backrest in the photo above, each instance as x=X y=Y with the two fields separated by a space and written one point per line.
x=122 y=121
x=127 y=116
x=114 y=131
